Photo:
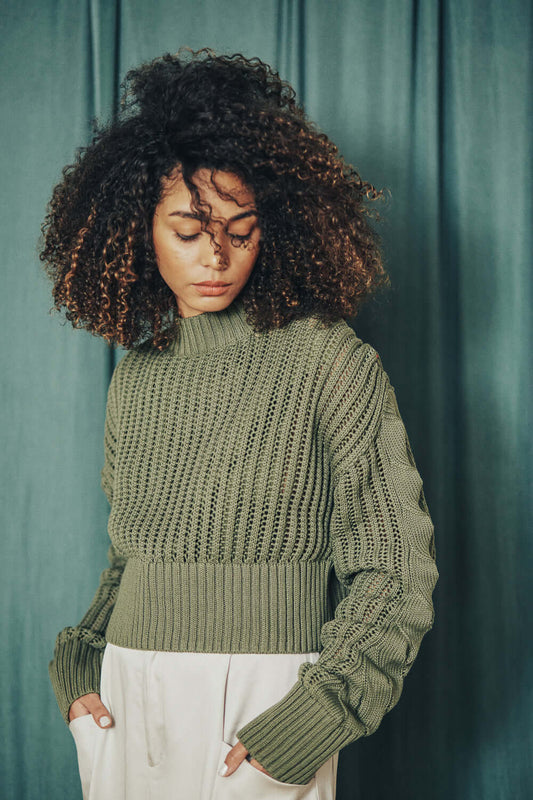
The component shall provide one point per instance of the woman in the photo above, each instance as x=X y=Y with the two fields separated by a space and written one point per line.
x=272 y=557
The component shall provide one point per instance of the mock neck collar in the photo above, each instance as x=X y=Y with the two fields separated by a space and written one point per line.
x=211 y=329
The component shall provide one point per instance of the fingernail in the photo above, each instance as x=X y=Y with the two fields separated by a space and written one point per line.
x=105 y=721
x=224 y=769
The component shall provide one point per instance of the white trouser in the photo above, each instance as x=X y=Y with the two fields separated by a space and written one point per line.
x=175 y=719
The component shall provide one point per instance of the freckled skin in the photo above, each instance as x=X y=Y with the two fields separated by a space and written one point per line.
x=183 y=263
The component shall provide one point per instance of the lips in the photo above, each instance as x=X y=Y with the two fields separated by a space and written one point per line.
x=212 y=283
x=211 y=288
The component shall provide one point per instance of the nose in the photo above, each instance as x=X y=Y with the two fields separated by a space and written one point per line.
x=214 y=254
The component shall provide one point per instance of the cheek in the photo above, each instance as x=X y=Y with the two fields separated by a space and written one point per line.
x=171 y=254
x=166 y=244
x=252 y=256
x=246 y=255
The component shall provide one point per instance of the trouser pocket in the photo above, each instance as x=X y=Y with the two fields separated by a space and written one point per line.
x=254 y=682
x=249 y=782
x=85 y=731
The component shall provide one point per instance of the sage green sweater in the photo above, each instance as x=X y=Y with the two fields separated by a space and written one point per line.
x=263 y=499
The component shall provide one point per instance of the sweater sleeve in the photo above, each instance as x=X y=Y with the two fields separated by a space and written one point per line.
x=383 y=554
x=75 y=667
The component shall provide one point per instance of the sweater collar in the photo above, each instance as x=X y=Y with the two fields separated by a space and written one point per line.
x=211 y=329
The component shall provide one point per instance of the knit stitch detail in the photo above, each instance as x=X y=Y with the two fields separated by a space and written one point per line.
x=263 y=498
x=211 y=330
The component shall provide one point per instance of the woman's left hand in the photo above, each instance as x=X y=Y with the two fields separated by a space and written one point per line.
x=236 y=756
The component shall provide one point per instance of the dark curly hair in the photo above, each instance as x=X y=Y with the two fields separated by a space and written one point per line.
x=193 y=110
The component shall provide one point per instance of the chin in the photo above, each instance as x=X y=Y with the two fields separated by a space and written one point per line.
x=201 y=304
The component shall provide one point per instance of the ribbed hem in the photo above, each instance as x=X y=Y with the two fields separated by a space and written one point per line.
x=74 y=671
x=294 y=737
x=223 y=608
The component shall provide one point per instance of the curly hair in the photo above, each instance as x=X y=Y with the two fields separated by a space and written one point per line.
x=194 y=110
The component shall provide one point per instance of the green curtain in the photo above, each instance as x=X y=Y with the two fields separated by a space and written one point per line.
x=431 y=100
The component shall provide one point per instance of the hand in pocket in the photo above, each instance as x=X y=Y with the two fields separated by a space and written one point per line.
x=236 y=756
x=91 y=704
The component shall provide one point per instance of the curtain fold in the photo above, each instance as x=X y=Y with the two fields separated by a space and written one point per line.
x=430 y=101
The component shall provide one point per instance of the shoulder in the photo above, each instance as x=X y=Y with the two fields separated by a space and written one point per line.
x=353 y=389
x=127 y=367
x=335 y=346
x=134 y=358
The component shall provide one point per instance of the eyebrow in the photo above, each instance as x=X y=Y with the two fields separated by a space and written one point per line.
x=189 y=215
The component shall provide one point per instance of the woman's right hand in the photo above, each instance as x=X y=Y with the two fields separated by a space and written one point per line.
x=91 y=704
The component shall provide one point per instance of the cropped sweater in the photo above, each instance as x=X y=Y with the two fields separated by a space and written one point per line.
x=263 y=498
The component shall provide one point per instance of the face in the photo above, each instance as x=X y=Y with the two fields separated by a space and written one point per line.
x=187 y=256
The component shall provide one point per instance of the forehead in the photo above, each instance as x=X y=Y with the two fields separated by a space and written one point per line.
x=177 y=194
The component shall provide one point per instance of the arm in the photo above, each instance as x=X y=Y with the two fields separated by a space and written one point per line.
x=75 y=667
x=383 y=552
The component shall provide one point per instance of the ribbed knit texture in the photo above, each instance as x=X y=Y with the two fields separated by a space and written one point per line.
x=264 y=499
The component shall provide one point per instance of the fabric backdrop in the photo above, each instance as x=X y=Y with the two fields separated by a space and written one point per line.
x=431 y=100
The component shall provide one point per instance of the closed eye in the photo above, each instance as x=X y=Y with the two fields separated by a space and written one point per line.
x=187 y=238
x=239 y=237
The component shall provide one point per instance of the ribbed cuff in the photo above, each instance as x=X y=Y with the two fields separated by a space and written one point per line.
x=294 y=737
x=74 y=671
